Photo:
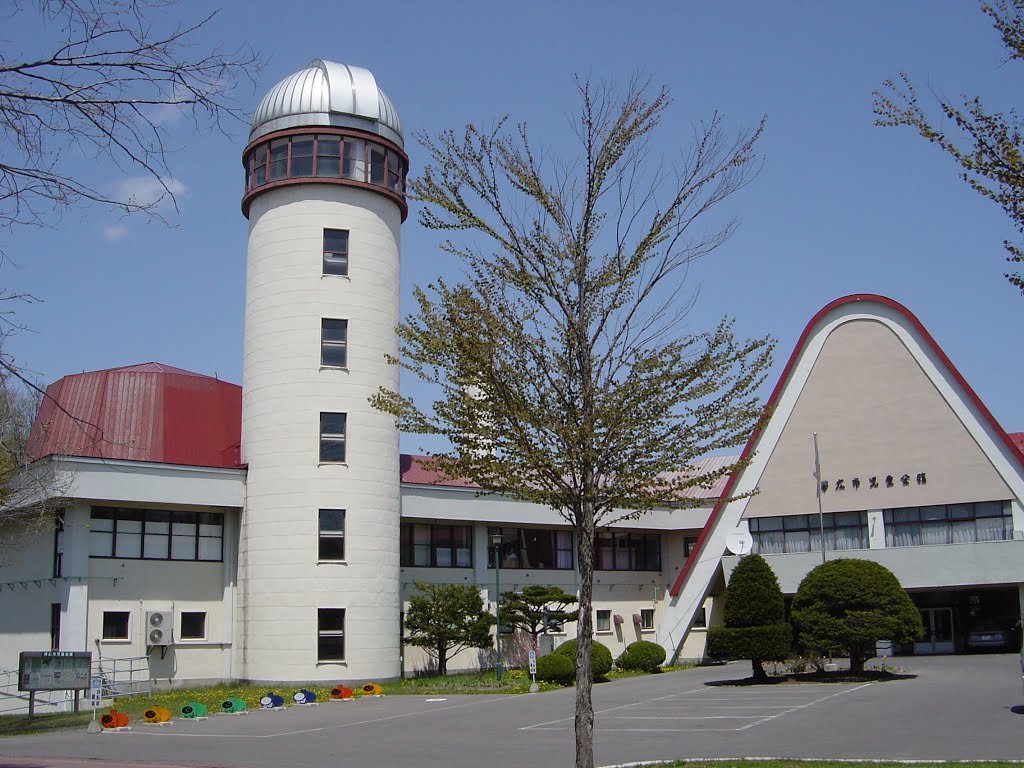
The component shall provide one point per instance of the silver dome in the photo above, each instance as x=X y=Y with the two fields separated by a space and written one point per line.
x=327 y=93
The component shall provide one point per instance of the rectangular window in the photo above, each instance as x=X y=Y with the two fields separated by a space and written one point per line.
x=377 y=158
x=258 y=159
x=156 y=534
x=332 y=437
x=54 y=626
x=328 y=156
x=115 y=625
x=278 y=159
x=193 y=625
x=336 y=252
x=332 y=534
x=330 y=644
x=536 y=548
x=355 y=159
x=437 y=546
x=646 y=618
x=302 y=156
x=700 y=618
x=628 y=551
x=948 y=524
x=58 y=545
x=802 y=533
x=603 y=621
x=333 y=343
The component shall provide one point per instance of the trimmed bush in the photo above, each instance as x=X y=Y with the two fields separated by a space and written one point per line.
x=600 y=656
x=755 y=618
x=556 y=668
x=850 y=605
x=642 y=655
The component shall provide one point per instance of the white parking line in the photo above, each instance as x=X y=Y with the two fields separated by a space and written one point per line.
x=804 y=706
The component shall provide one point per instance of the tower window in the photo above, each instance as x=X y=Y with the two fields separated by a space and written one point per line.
x=330 y=630
x=332 y=437
x=333 y=343
x=335 y=251
x=332 y=534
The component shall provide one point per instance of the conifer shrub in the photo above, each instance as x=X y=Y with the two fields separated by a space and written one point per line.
x=849 y=605
x=755 y=618
x=600 y=656
x=556 y=668
x=642 y=655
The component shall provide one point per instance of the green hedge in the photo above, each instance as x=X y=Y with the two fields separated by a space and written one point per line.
x=642 y=655
x=555 y=668
x=771 y=642
x=600 y=656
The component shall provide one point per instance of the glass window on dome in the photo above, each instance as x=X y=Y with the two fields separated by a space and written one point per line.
x=377 y=159
x=278 y=159
x=302 y=156
x=355 y=160
x=328 y=156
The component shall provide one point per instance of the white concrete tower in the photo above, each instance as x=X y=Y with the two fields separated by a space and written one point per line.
x=318 y=556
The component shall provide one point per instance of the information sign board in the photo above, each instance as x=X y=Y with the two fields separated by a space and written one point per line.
x=533 y=662
x=54 y=670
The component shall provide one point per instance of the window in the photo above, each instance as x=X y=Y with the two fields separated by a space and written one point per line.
x=802 y=533
x=58 y=545
x=156 y=534
x=193 y=625
x=328 y=156
x=628 y=551
x=603 y=621
x=332 y=534
x=333 y=343
x=115 y=625
x=438 y=546
x=302 y=156
x=700 y=618
x=330 y=631
x=54 y=626
x=336 y=252
x=278 y=159
x=332 y=437
x=646 y=618
x=689 y=544
x=948 y=524
x=355 y=159
x=539 y=548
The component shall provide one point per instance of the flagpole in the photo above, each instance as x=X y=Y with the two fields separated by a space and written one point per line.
x=817 y=488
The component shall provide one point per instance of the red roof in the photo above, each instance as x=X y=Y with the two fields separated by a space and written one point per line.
x=1018 y=440
x=147 y=412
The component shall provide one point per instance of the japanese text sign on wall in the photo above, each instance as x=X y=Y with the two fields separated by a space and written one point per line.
x=54 y=670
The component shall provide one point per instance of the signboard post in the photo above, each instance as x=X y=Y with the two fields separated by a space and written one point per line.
x=533 y=671
x=53 y=671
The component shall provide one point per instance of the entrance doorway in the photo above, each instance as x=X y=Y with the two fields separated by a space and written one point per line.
x=938 y=631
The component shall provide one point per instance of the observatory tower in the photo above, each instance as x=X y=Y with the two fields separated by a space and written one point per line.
x=318 y=553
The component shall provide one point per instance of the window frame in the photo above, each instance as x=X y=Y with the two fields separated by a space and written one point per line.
x=156 y=529
x=646 y=619
x=331 y=535
x=519 y=543
x=327 y=345
x=126 y=637
x=607 y=617
x=335 y=255
x=322 y=633
x=456 y=534
x=635 y=545
x=193 y=638
x=335 y=439
x=916 y=522
x=792 y=532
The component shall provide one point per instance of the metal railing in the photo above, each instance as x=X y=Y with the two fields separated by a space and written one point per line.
x=128 y=676
x=13 y=701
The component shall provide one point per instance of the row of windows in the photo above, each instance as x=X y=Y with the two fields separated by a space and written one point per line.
x=948 y=524
x=451 y=546
x=116 y=625
x=156 y=534
x=326 y=156
x=802 y=533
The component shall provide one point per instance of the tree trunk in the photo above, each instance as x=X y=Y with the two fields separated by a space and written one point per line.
x=442 y=660
x=857 y=658
x=584 y=722
x=758 y=667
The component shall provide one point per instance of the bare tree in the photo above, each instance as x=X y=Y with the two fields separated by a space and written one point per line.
x=563 y=374
x=109 y=77
x=988 y=146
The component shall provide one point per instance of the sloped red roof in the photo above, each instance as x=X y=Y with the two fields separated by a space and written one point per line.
x=1018 y=440
x=147 y=412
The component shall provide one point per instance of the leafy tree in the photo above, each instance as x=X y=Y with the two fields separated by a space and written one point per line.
x=535 y=608
x=850 y=605
x=988 y=146
x=562 y=372
x=754 y=616
x=446 y=619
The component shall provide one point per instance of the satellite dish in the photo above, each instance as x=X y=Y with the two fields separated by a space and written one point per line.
x=739 y=542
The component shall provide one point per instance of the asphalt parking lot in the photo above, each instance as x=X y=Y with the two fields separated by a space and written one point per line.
x=965 y=707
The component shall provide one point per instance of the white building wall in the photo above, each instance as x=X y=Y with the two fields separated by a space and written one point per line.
x=27 y=591
x=284 y=390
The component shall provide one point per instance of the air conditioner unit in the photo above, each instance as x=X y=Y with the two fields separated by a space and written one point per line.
x=159 y=627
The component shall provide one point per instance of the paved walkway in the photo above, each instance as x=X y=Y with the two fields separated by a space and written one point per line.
x=965 y=707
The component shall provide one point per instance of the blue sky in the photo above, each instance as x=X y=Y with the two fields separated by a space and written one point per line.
x=840 y=207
